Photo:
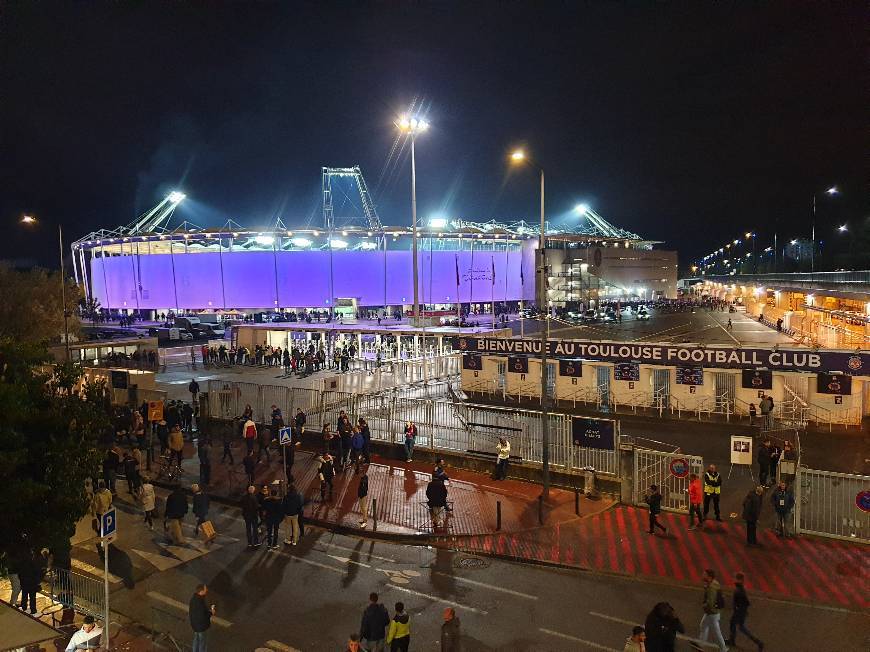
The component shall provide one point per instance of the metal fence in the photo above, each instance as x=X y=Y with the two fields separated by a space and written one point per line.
x=826 y=504
x=658 y=468
x=83 y=594
x=442 y=422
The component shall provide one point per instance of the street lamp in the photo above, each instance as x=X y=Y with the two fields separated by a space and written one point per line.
x=412 y=127
x=518 y=157
x=830 y=192
x=31 y=220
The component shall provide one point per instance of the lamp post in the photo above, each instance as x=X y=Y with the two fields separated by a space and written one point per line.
x=519 y=157
x=830 y=191
x=412 y=127
x=30 y=219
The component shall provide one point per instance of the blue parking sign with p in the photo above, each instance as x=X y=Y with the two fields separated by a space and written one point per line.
x=285 y=436
x=108 y=524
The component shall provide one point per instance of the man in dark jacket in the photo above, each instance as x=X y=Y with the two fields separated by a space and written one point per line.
x=274 y=510
x=450 y=632
x=740 y=610
x=176 y=508
x=200 y=618
x=762 y=456
x=326 y=473
x=436 y=493
x=373 y=628
x=293 y=505
x=363 y=426
x=251 y=514
x=662 y=627
x=200 y=506
x=783 y=503
x=751 y=512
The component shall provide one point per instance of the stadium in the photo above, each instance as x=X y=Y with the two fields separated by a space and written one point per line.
x=352 y=261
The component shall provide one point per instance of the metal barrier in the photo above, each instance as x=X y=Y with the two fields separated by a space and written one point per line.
x=654 y=467
x=83 y=594
x=825 y=504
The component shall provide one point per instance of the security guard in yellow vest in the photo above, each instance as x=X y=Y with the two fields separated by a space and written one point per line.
x=712 y=489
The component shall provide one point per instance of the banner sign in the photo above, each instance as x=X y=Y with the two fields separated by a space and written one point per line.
x=518 y=365
x=626 y=371
x=473 y=362
x=757 y=379
x=690 y=375
x=572 y=368
x=833 y=384
x=666 y=354
x=592 y=433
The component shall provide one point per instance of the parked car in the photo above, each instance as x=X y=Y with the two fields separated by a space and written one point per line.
x=643 y=313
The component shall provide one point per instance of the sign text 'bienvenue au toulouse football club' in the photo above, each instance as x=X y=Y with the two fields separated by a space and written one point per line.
x=663 y=354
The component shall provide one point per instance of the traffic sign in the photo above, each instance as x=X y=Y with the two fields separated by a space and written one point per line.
x=108 y=524
x=285 y=436
x=679 y=467
x=862 y=500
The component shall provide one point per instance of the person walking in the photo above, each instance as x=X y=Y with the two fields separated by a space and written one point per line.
x=712 y=491
x=357 y=446
x=203 y=451
x=399 y=634
x=762 y=456
x=451 y=632
x=751 y=513
x=695 y=497
x=249 y=431
x=712 y=603
x=227 y=439
x=293 y=505
x=176 y=509
x=783 y=502
x=410 y=437
x=193 y=388
x=251 y=513
x=326 y=473
x=436 y=494
x=200 y=507
x=176 y=445
x=373 y=628
x=200 y=613
x=274 y=510
x=250 y=464
x=30 y=573
x=654 y=500
x=636 y=642
x=366 y=433
x=503 y=453
x=739 y=612
x=662 y=626
x=147 y=499
x=362 y=494
x=753 y=412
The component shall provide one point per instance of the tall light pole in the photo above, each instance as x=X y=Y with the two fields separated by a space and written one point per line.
x=830 y=191
x=412 y=127
x=30 y=219
x=520 y=157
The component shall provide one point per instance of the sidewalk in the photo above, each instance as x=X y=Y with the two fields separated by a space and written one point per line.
x=606 y=537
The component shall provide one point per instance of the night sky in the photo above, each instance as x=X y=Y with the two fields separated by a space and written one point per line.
x=685 y=122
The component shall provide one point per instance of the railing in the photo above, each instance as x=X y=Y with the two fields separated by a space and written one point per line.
x=83 y=594
x=825 y=505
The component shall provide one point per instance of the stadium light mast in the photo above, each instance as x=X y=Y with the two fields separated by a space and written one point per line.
x=413 y=127
x=519 y=157
x=830 y=191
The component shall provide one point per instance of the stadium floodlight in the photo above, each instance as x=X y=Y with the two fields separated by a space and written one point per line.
x=368 y=246
x=518 y=155
x=176 y=197
x=793 y=242
x=437 y=222
x=411 y=125
x=832 y=190
x=842 y=228
x=582 y=209
x=265 y=240
x=338 y=244
x=301 y=242
x=28 y=219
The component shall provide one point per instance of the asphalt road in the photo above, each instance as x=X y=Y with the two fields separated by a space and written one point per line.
x=310 y=597
x=702 y=326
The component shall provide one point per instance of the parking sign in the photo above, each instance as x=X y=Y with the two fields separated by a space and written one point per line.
x=108 y=524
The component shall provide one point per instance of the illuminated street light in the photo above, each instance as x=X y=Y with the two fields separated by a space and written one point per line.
x=176 y=197
x=301 y=242
x=518 y=155
x=793 y=242
x=842 y=228
x=832 y=190
x=28 y=219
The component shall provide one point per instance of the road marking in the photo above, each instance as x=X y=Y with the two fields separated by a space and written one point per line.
x=165 y=599
x=361 y=553
x=93 y=570
x=313 y=563
x=487 y=586
x=346 y=560
x=696 y=641
x=435 y=598
x=578 y=640
x=281 y=647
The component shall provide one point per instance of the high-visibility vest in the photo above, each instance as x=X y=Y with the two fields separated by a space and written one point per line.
x=712 y=483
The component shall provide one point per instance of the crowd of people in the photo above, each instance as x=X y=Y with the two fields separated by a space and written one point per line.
x=295 y=360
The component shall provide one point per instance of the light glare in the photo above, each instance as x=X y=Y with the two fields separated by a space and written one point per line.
x=176 y=197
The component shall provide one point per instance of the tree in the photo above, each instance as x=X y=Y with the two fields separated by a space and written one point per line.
x=30 y=305
x=91 y=308
x=48 y=447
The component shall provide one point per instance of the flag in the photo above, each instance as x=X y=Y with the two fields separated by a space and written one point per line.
x=522 y=278
x=493 y=270
x=456 y=256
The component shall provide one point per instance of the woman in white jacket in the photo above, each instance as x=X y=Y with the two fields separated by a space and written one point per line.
x=147 y=499
x=503 y=449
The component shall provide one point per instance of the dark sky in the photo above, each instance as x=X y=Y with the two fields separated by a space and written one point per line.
x=685 y=122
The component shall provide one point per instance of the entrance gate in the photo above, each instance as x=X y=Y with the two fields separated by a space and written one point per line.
x=654 y=467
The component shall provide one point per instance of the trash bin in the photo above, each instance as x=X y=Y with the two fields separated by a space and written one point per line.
x=590 y=488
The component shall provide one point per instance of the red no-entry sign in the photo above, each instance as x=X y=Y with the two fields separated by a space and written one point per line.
x=679 y=467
